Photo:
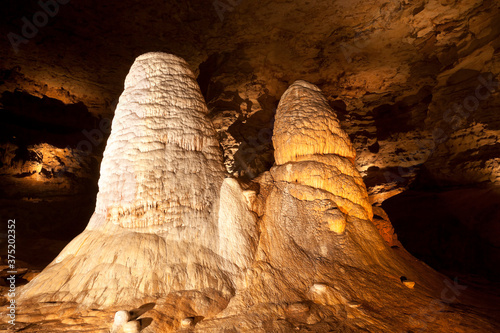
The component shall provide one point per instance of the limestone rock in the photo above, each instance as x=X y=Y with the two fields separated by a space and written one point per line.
x=132 y=326
x=121 y=317
x=409 y=284
x=312 y=150
x=30 y=275
x=384 y=226
x=166 y=218
x=354 y=304
x=187 y=322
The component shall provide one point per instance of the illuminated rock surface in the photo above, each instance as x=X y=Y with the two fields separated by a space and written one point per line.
x=401 y=75
x=312 y=150
x=159 y=225
x=176 y=243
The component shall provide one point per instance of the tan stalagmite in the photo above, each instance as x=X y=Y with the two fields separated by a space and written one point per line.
x=162 y=160
x=306 y=125
x=311 y=149
x=160 y=224
x=321 y=264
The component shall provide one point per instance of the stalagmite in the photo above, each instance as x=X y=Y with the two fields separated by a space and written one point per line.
x=321 y=262
x=160 y=224
x=312 y=150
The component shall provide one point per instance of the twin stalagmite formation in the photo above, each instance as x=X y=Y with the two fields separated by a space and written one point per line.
x=172 y=228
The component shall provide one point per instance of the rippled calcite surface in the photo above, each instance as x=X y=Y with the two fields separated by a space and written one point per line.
x=312 y=150
x=160 y=223
x=162 y=163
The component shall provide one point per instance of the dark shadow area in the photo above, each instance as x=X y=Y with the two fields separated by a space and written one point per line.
x=30 y=120
x=461 y=76
x=208 y=69
x=454 y=230
x=255 y=154
x=385 y=176
x=145 y=322
x=45 y=226
x=340 y=109
x=403 y=116
x=49 y=167
x=136 y=313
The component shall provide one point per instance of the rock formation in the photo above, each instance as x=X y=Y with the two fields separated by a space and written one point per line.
x=312 y=150
x=402 y=77
x=295 y=249
x=160 y=224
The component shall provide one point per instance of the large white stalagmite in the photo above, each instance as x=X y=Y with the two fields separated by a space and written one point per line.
x=160 y=224
x=162 y=164
x=170 y=228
